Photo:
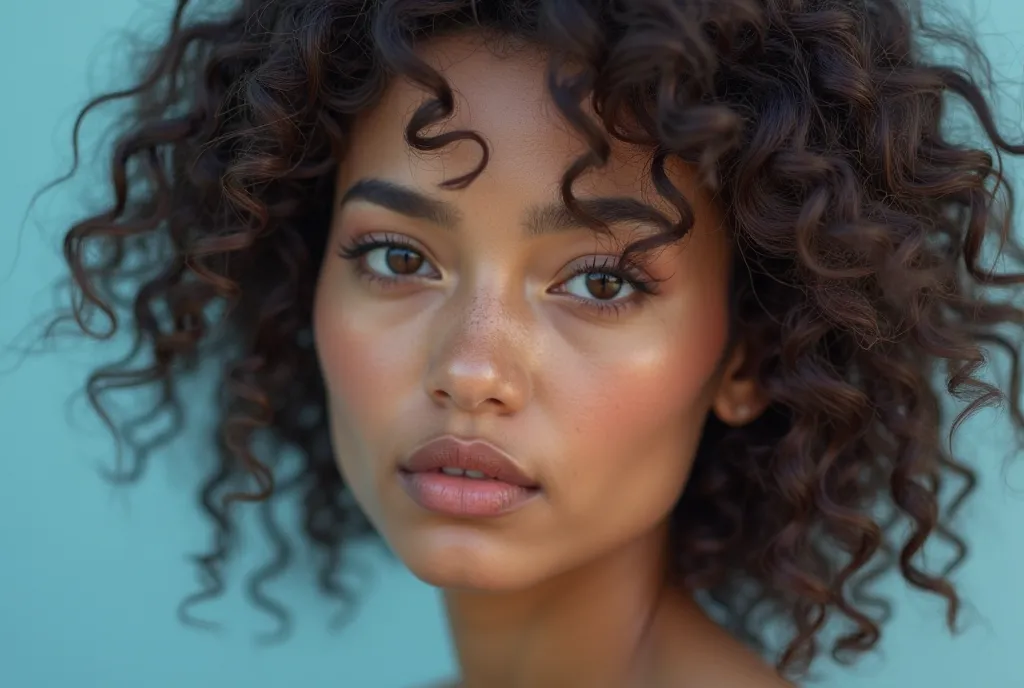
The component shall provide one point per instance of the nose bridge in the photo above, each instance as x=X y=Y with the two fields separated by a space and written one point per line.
x=480 y=355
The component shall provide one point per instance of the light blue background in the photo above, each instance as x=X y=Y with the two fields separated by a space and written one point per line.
x=90 y=575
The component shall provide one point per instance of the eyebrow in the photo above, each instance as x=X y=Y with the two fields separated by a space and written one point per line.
x=556 y=217
x=404 y=201
x=549 y=218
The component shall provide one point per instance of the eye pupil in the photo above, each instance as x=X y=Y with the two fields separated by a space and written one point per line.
x=603 y=286
x=403 y=261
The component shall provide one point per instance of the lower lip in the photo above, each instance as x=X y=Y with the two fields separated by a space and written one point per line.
x=452 y=495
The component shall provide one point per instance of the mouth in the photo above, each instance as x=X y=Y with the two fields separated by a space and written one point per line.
x=466 y=478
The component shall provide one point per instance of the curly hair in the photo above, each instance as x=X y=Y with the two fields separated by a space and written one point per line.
x=861 y=230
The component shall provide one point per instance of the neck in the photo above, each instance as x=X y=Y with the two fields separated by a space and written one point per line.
x=586 y=627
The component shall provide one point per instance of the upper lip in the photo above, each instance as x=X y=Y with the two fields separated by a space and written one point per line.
x=469 y=455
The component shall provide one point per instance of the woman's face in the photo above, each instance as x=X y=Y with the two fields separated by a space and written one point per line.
x=483 y=314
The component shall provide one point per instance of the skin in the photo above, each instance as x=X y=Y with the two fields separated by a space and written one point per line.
x=494 y=336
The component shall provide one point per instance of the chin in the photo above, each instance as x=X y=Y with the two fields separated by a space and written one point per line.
x=470 y=566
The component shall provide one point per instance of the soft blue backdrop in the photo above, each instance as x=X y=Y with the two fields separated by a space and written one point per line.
x=90 y=575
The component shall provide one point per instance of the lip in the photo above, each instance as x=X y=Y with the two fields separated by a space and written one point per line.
x=505 y=488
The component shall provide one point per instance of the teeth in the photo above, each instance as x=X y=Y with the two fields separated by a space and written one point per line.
x=476 y=475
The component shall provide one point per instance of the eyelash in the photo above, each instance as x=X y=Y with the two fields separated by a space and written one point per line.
x=357 y=249
x=643 y=285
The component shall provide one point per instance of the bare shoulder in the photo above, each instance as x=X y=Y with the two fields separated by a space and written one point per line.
x=705 y=655
x=756 y=676
x=736 y=666
x=728 y=662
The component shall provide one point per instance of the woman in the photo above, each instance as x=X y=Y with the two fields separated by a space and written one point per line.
x=611 y=318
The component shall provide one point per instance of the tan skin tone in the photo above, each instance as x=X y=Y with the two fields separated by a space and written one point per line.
x=490 y=318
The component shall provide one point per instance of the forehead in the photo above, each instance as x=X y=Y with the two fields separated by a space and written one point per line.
x=503 y=96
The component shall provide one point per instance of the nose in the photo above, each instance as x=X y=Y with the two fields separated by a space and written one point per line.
x=480 y=361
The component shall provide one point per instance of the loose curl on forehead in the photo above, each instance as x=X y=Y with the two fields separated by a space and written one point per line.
x=859 y=226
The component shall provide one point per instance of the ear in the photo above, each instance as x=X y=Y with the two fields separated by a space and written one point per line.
x=739 y=398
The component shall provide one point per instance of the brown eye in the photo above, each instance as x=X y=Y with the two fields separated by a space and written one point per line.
x=599 y=286
x=603 y=286
x=394 y=261
x=403 y=261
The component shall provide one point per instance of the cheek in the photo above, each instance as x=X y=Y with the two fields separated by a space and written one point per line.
x=637 y=418
x=367 y=374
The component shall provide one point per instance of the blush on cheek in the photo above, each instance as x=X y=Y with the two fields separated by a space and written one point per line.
x=668 y=374
x=360 y=401
x=340 y=352
x=350 y=360
x=636 y=410
x=346 y=364
x=635 y=426
x=650 y=401
x=372 y=371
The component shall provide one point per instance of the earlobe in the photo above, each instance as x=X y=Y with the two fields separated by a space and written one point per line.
x=738 y=413
x=739 y=398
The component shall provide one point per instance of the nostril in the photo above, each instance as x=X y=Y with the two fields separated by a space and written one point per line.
x=467 y=403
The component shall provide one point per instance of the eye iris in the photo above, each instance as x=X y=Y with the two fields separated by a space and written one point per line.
x=403 y=261
x=603 y=286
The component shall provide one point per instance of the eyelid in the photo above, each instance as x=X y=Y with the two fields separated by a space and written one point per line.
x=630 y=271
x=356 y=248
x=639 y=279
x=368 y=240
